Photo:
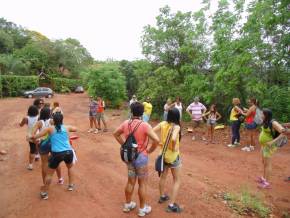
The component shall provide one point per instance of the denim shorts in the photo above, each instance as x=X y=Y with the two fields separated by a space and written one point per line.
x=138 y=168
x=146 y=118
x=45 y=147
x=174 y=164
x=252 y=125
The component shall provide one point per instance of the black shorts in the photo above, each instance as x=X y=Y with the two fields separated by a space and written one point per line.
x=57 y=157
x=32 y=148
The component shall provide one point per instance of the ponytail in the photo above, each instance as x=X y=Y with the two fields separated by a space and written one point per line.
x=57 y=120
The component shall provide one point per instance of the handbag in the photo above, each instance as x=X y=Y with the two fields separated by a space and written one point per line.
x=159 y=163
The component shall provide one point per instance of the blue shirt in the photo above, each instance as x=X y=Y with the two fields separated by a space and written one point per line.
x=60 y=140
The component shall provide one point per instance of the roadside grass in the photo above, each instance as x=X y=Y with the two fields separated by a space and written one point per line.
x=245 y=203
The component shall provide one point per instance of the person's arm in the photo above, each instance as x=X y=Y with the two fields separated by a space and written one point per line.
x=42 y=133
x=188 y=111
x=117 y=134
x=157 y=128
x=175 y=135
x=239 y=110
x=155 y=140
x=23 y=121
x=203 y=110
x=248 y=111
x=219 y=116
x=36 y=127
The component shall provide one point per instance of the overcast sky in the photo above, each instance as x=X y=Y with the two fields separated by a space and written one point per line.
x=107 y=28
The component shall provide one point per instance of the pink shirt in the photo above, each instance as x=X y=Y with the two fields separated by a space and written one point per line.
x=196 y=110
x=141 y=134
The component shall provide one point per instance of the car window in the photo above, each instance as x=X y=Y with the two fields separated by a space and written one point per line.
x=38 y=89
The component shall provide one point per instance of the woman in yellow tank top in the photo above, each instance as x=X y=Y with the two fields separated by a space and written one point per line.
x=172 y=159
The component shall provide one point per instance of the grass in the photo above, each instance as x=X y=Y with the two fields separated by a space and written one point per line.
x=246 y=203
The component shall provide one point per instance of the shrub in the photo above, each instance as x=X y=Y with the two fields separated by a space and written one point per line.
x=64 y=85
x=12 y=86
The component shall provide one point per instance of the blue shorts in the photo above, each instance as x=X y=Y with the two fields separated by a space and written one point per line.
x=93 y=114
x=252 y=125
x=146 y=118
x=138 y=168
x=45 y=146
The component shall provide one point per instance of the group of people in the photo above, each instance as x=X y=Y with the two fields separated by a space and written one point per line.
x=49 y=138
x=97 y=114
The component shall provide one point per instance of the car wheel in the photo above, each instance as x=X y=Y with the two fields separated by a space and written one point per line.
x=49 y=96
x=29 y=96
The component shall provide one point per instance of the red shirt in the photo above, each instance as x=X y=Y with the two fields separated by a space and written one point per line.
x=100 y=106
x=141 y=134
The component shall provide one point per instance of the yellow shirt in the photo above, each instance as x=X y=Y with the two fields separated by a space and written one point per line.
x=170 y=154
x=147 y=108
x=233 y=115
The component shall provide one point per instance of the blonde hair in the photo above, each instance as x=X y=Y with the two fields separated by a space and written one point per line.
x=55 y=104
x=236 y=101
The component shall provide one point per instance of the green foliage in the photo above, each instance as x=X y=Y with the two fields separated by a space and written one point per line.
x=247 y=204
x=64 y=85
x=15 y=85
x=108 y=82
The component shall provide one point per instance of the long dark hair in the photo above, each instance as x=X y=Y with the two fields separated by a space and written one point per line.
x=44 y=113
x=32 y=111
x=57 y=120
x=173 y=116
x=268 y=116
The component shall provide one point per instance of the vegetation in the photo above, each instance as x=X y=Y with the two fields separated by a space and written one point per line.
x=247 y=204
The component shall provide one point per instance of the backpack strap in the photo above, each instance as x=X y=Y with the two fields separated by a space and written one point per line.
x=135 y=128
x=167 y=141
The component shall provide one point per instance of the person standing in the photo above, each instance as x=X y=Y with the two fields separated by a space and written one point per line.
x=236 y=114
x=133 y=100
x=172 y=160
x=93 y=106
x=178 y=105
x=195 y=111
x=147 y=109
x=137 y=169
x=250 y=125
x=211 y=117
x=167 y=106
x=101 y=113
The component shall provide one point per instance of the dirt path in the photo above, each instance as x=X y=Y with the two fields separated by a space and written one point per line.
x=101 y=176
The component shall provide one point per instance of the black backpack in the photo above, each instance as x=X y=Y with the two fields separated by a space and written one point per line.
x=129 y=150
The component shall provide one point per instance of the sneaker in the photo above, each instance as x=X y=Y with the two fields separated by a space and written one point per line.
x=96 y=131
x=203 y=138
x=44 y=195
x=163 y=198
x=60 y=181
x=29 y=167
x=247 y=149
x=237 y=144
x=144 y=211
x=90 y=130
x=128 y=207
x=193 y=138
x=173 y=208
x=252 y=148
x=264 y=185
x=37 y=157
x=231 y=145
x=70 y=187
x=261 y=179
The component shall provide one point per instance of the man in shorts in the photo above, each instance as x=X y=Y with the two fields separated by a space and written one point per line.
x=100 y=114
x=195 y=111
x=137 y=169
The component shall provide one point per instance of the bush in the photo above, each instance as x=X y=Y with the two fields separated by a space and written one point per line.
x=107 y=81
x=12 y=86
x=64 y=85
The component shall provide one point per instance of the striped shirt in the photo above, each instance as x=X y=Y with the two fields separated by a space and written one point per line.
x=196 y=110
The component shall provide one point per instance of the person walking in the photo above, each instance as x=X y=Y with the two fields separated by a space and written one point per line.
x=101 y=114
x=195 y=111
x=172 y=160
x=137 y=169
x=61 y=150
x=211 y=117
x=147 y=109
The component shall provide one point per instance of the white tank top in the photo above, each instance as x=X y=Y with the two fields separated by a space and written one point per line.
x=45 y=124
x=31 y=121
x=179 y=107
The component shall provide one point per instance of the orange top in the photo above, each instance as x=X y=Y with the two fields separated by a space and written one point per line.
x=100 y=106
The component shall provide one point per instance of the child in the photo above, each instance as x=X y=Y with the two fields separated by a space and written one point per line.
x=30 y=120
x=56 y=108
x=93 y=106
x=212 y=116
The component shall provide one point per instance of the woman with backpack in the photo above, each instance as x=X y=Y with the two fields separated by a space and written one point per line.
x=45 y=145
x=271 y=137
x=250 y=125
x=61 y=150
x=172 y=160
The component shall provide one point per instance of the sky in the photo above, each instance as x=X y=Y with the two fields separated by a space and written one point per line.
x=107 y=28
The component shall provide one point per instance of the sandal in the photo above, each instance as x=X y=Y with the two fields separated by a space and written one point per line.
x=163 y=198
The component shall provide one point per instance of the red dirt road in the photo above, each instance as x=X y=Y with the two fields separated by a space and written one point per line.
x=101 y=175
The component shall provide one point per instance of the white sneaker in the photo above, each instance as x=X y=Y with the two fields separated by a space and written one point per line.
x=203 y=138
x=231 y=145
x=144 y=211
x=247 y=149
x=193 y=138
x=128 y=207
x=96 y=131
x=252 y=148
x=29 y=167
x=90 y=130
